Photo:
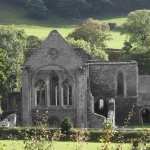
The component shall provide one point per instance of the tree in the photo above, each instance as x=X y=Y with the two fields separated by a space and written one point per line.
x=94 y=33
x=12 y=45
x=137 y=27
x=71 y=8
x=66 y=126
x=37 y=9
x=4 y=68
x=137 y=46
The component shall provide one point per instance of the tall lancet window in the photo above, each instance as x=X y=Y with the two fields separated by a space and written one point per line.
x=120 y=84
x=67 y=93
x=54 y=89
x=40 y=93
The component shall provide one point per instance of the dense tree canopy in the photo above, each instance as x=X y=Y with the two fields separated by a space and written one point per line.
x=137 y=27
x=12 y=46
x=137 y=46
x=80 y=8
x=37 y=9
x=94 y=34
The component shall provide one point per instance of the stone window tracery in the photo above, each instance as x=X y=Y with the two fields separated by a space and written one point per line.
x=67 y=93
x=40 y=93
x=54 y=89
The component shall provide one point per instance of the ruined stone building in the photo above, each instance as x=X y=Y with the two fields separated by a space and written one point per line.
x=67 y=82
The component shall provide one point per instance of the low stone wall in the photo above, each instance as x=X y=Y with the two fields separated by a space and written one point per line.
x=53 y=116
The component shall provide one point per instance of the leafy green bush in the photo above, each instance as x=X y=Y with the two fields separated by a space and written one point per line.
x=66 y=126
x=86 y=46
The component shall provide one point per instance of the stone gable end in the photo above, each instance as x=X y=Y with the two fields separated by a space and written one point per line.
x=54 y=51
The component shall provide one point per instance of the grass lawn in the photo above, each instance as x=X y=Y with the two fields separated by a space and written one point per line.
x=18 y=145
x=14 y=15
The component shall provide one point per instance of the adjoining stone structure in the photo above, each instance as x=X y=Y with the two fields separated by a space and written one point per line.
x=144 y=99
x=67 y=82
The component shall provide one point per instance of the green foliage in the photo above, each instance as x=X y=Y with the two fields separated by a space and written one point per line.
x=91 y=135
x=3 y=67
x=108 y=132
x=39 y=141
x=33 y=42
x=92 y=31
x=137 y=27
x=80 y=44
x=137 y=47
x=92 y=35
x=37 y=9
x=81 y=8
x=71 y=8
x=66 y=126
x=86 y=46
x=12 y=44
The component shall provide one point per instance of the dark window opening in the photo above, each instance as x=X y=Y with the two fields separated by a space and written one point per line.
x=120 y=84
x=70 y=95
x=41 y=93
x=101 y=107
x=54 y=90
x=67 y=93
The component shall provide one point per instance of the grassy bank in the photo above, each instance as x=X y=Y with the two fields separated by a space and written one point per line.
x=18 y=145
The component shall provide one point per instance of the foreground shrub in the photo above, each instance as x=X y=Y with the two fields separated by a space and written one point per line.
x=90 y=135
x=66 y=126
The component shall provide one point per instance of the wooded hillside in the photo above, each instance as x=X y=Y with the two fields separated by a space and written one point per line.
x=81 y=8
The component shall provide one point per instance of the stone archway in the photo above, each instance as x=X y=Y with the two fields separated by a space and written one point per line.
x=145 y=115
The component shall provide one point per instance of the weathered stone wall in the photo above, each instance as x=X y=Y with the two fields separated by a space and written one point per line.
x=55 y=54
x=53 y=116
x=144 y=90
x=124 y=108
x=81 y=97
x=103 y=76
x=61 y=113
x=14 y=105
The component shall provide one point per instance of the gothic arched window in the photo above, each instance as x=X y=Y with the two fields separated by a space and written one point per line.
x=120 y=84
x=54 y=89
x=67 y=93
x=40 y=93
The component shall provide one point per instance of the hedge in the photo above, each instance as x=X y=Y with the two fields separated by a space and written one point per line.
x=90 y=135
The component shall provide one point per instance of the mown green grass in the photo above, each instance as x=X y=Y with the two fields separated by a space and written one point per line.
x=15 y=15
x=18 y=145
